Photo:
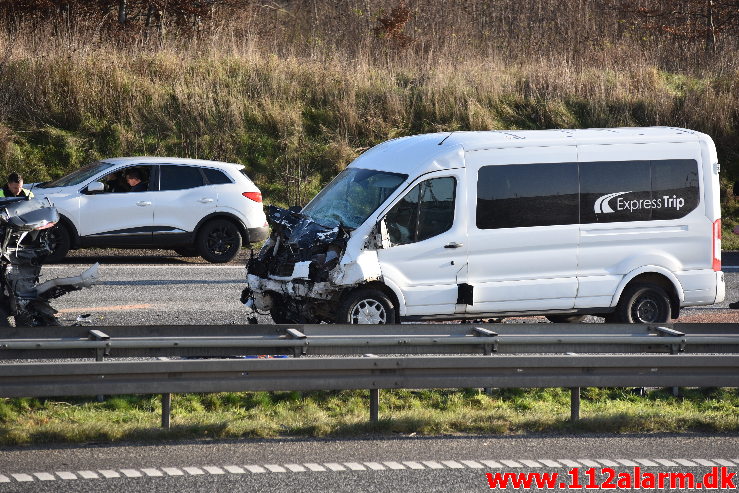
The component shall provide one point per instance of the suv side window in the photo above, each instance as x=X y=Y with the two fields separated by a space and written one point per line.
x=174 y=177
x=216 y=177
x=426 y=211
x=115 y=182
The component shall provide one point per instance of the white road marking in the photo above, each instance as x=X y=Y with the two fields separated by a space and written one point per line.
x=569 y=463
x=357 y=466
x=452 y=464
x=685 y=462
x=432 y=464
x=665 y=462
x=550 y=463
x=627 y=462
x=472 y=464
x=530 y=463
x=722 y=462
x=704 y=462
x=647 y=462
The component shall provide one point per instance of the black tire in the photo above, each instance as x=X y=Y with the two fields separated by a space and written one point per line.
x=366 y=306
x=186 y=251
x=218 y=241
x=60 y=241
x=566 y=319
x=643 y=303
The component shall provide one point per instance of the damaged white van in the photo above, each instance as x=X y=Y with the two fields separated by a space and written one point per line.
x=623 y=223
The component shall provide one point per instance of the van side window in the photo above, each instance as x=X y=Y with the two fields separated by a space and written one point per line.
x=426 y=211
x=515 y=196
x=638 y=190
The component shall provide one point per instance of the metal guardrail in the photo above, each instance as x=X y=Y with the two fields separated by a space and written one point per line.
x=158 y=341
x=216 y=375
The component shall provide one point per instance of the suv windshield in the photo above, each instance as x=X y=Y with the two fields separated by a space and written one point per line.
x=352 y=196
x=78 y=176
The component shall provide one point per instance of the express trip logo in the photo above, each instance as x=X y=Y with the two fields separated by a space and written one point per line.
x=618 y=202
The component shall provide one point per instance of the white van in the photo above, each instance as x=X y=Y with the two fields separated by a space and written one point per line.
x=622 y=223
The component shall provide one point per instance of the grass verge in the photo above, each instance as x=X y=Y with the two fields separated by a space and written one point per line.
x=345 y=413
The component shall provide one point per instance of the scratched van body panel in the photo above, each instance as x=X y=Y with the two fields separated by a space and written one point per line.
x=623 y=223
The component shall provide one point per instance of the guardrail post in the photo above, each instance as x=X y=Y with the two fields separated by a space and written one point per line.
x=166 y=410
x=488 y=348
x=674 y=348
x=100 y=353
x=374 y=405
x=574 y=404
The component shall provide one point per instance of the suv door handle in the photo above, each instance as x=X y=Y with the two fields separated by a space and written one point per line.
x=143 y=203
x=205 y=200
x=453 y=244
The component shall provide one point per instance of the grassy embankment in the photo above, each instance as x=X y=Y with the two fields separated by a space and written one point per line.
x=296 y=122
x=261 y=414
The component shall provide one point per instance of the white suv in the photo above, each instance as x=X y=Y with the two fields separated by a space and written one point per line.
x=195 y=207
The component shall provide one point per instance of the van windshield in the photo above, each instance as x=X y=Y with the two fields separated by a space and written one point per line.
x=352 y=196
x=78 y=176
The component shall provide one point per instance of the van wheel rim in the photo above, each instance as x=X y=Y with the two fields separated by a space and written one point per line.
x=647 y=310
x=369 y=312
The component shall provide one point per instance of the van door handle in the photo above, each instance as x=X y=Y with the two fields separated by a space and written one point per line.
x=453 y=244
x=143 y=203
x=205 y=200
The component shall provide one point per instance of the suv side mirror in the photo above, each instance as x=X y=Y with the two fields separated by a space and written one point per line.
x=95 y=187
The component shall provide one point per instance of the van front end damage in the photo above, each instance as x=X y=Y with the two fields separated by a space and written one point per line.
x=298 y=276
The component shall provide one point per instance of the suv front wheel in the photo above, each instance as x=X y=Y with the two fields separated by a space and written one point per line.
x=218 y=241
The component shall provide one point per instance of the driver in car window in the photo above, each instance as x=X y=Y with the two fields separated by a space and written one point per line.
x=135 y=178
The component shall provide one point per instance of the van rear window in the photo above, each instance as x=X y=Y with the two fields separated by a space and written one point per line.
x=513 y=196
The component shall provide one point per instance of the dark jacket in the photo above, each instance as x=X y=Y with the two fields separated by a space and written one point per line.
x=5 y=192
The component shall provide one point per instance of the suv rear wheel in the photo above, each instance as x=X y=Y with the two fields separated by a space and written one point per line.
x=218 y=241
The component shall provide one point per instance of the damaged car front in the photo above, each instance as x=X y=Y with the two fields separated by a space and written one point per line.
x=25 y=243
x=308 y=262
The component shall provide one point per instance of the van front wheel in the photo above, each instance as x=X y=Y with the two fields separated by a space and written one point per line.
x=366 y=306
x=644 y=304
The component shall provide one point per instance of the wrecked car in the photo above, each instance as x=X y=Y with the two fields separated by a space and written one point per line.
x=619 y=223
x=24 y=232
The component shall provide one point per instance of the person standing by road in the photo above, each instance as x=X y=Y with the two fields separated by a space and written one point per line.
x=14 y=187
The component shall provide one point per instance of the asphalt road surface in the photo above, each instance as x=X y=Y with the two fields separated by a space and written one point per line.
x=154 y=288
x=409 y=464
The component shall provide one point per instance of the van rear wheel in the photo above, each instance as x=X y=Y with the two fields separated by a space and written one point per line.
x=643 y=303
x=366 y=306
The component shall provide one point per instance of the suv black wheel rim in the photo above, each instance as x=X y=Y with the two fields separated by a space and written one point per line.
x=222 y=240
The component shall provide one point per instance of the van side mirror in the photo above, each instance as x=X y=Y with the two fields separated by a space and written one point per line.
x=95 y=187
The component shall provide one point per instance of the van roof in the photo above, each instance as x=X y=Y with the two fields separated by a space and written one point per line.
x=428 y=152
